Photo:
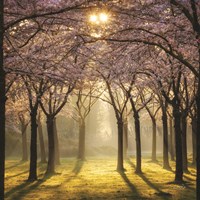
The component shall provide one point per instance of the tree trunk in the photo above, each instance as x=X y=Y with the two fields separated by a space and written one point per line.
x=184 y=142
x=198 y=146
x=178 y=138
x=172 y=145
x=57 y=150
x=81 y=150
x=2 y=106
x=153 y=157
x=33 y=146
x=194 y=140
x=24 y=142
x=42 y=145
x=125 y=139
x=165 y=140
x=138 y=143
x=120 y=164
x=51 y=146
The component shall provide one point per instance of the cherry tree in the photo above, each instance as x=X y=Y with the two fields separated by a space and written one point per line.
x=2 y=105
x=173 y=26
x=152 y=111
x=111 y=74
x=87 y=94
x=175 y=101
x=41 y=137
x=118 y=99
x=20 y=50
x=17 y=114
x=169 y=26
x=35 y=91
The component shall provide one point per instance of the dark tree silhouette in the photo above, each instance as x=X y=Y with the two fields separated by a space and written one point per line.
x=2 y=104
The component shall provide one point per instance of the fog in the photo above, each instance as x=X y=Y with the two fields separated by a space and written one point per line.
x=101 y=134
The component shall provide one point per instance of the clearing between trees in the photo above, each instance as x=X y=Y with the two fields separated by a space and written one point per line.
x=97 y=178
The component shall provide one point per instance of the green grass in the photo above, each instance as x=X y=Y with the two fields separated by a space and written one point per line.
x=97 y=178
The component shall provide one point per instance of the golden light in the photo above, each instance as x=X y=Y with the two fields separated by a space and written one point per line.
x=93 y=18
x=96 y=35
x=98 y=23
x=98 y=18
x=103 y=17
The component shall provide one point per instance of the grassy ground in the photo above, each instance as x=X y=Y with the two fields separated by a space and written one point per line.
x=97 y=178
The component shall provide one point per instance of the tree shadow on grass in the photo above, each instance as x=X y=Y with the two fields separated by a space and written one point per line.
x=192 y=165
x=12 y=176
x=189 y=178
x=158 y=192
x=183 y=184
x=160 y=163
x=155 y=162
x=23 y=189
x=76 y=170
x=130 y=185
x=16 y=164
x=130 y=163
x=78 y=166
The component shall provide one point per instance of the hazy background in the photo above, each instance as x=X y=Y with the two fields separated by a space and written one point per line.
x=101 y=134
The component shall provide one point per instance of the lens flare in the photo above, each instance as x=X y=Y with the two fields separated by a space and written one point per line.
x=103 y=17
x=93 y=18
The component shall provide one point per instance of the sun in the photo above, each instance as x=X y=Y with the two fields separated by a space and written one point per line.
x=98 y=18
x=93 y=18
x=103 y=17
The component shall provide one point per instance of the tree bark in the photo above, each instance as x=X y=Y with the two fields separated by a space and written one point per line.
x=194 y=140
x=2 y=105
x=57 y=150
x=184 y=142
x=42 y=145
x=24 y=142
x=136 y=117
x=178 y=138
x=125 y=139
x=33 y=146
x=172 y=145
x=81 y=149
x=165 y=140
x=153 y=157
x=198 y=146
x=120 y=162
x=138 y=143
x=51 y=146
